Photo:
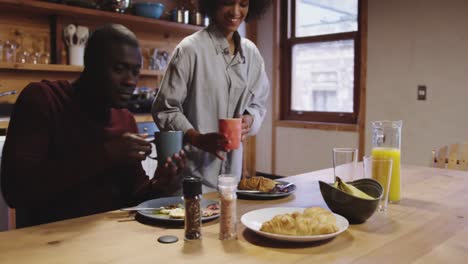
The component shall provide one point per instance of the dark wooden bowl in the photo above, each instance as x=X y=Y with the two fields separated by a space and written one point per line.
x=355 y=209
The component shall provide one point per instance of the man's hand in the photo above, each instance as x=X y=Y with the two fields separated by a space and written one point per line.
x=128 y=147
x=168 y=177
x=214 y=143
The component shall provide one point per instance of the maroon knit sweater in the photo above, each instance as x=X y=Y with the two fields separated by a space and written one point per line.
x=54 y=164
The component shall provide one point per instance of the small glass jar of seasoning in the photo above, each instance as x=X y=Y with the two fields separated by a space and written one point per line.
x=206 y=21
x=227 y=185
x=193 y=213
x=178 y=15
x=196 y=18
x=186 y=17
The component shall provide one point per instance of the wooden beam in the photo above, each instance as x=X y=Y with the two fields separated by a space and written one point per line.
x=362 y=76
x=276 y=86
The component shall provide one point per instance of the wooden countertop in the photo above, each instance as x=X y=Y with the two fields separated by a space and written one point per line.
x=430 y=225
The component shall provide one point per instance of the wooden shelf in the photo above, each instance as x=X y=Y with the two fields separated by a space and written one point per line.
x=59 y=68
x=40 y=67
x=4 y=122
x=143 y=118
x=47 y=8
x=151 y=73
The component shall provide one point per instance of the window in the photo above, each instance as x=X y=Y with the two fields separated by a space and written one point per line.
x=321 y=49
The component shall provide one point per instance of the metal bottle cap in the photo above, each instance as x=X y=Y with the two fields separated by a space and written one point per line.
x=192 y=187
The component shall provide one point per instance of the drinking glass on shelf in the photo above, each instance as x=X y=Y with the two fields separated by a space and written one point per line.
x=152 y=59
x=23 y=56
x=10 y=51
x=45 y=58
x=44 y=50
x=35 y=57
x=161 y=59
x=146 y=58
x=345 y=163
x=36 y=50
x=379 y=169
x=2 y=43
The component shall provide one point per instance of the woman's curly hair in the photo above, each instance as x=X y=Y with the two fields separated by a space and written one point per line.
x=256 y=8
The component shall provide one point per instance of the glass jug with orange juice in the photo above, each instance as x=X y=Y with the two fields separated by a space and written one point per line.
x=386 y=143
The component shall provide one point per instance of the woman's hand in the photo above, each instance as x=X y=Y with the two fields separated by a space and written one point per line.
x=214 y=143
x=247 y=121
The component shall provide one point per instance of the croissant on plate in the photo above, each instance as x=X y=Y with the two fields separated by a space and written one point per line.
x=313 y=221
x=257 y=183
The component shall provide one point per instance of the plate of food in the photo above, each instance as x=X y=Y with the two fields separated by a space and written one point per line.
x=172 y=209
x=263 y=188
x=295 y=224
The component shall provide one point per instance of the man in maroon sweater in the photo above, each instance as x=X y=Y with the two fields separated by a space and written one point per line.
x=72 y=149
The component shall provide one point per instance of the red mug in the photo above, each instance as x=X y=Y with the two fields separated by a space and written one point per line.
x=232 y=129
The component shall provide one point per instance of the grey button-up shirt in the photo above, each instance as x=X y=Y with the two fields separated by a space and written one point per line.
x=203 y=83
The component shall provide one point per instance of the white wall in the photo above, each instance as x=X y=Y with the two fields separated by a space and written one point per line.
x=412 y=43
x=303 y=150
x=409 y=43
x=264 y=141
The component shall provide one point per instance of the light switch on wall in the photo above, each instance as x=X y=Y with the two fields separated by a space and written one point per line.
x=422 y=92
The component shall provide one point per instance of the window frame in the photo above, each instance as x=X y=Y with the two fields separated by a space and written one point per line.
x=287 y=41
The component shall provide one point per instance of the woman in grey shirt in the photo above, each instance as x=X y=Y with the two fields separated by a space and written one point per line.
x=214 y=74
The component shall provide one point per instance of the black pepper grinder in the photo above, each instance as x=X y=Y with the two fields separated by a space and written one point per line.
x=192 y=198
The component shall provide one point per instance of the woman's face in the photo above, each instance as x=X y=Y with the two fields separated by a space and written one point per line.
x=230 y=14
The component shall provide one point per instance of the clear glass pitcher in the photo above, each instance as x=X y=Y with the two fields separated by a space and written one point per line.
x=386 y=143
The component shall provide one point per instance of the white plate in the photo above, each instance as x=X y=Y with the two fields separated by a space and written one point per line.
x=253 y=220
x=265 y=196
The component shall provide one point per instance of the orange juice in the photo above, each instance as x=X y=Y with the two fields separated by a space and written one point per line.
x=395 y=183
x=380 y=169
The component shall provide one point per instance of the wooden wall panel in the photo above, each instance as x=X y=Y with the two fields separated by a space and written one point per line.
x=17 y=80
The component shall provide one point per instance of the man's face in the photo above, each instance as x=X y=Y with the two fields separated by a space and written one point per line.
x=121 y=69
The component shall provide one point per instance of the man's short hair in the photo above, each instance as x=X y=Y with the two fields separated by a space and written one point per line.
x=102 y=38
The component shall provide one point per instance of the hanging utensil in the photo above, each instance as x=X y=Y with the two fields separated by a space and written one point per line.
x=8 y=93
x=82 y=34
x=69 y=32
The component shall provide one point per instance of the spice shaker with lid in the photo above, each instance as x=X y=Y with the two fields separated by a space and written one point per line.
x=227 y=185
x=192 y=198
